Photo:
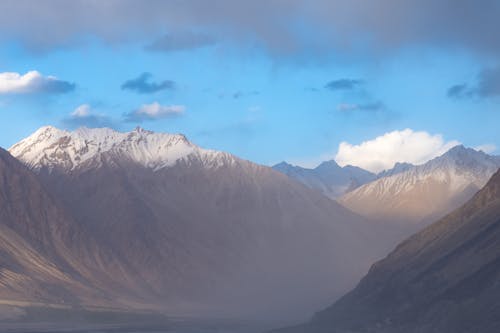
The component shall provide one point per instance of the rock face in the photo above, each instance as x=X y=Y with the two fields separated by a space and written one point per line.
x=329 y=178
x=196 y=231
x=45 y=256
x=443 y=279
x=417 y=195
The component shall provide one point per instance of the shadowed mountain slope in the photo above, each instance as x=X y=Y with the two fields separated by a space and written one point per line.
x=46 y=256
x=443 y=279
x=199 y=231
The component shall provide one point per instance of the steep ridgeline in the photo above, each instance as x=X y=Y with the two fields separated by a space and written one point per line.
x=398 y=168
x=443 y=279
x=331 y=179
x=202 y=231
x=417 y=195
x=45 y=256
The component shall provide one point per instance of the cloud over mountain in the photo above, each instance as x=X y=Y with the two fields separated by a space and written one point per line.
x=154 y=111
x=384 y=151
x=85 y=116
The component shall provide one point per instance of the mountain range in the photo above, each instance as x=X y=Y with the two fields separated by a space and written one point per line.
x=171 y=226
x=442 y=279
x=407 y=197
x=328 y=177
x=419 y=195
x=144 y=221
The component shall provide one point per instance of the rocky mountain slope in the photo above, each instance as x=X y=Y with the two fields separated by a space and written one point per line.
x=443 y=279
x=200 y=231
x=46 y=256
x=331 y=179
x=417 y=195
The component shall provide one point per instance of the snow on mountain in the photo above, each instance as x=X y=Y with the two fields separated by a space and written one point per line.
x=51 y=147
x=328 y=177
x=425 y=192
x=186 y=225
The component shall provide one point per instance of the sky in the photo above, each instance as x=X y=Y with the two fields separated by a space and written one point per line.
x=364 y=83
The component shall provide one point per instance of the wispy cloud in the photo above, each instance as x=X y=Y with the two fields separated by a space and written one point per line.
x=143 y=85
x=459 y=91
x=487 y=148
x=238 y=94
x=181 y=41
x=84 y=115
x=343 y=84
x=33 y=82
x=489 y=82
x=349 y=107
x=154 y=111
x=486 y=86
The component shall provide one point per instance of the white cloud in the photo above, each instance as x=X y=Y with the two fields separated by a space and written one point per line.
x=32 y=82
x=383 y=152
x=487 y=148
x=84 y=115
x=81 y=112
x=155 y=111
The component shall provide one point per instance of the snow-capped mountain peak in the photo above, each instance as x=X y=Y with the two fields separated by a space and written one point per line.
x=426 y=191
x=51 y=147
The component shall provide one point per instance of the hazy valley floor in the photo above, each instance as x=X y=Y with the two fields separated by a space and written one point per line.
x=173 y=327
x=51 y=320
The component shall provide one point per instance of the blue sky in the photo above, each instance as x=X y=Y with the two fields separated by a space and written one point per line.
x=266 y=86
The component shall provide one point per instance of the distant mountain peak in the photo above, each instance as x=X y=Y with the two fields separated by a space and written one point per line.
x=328 y=177
x=282 y=164
x=331 y=164
x=463 y=158
x=420 y=193
x=51 y=147
x=461 y=150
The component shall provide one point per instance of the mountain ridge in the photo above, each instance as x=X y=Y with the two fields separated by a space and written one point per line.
x=442 y=279
x=49 y=146
x=419 y=194
x=202 y=230
x=328 y=177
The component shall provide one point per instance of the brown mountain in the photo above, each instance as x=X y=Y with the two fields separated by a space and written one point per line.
x=443 y=279
x=198 y=231
x=46 y=257
x=419 y=195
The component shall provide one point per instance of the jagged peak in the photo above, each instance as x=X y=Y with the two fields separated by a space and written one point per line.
x=461 y=150
x=48 y=130
x=52 y=147
x=459 y=167
x=462 y=157
x=398 y=167
x=328 y=165
x=282 y=164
